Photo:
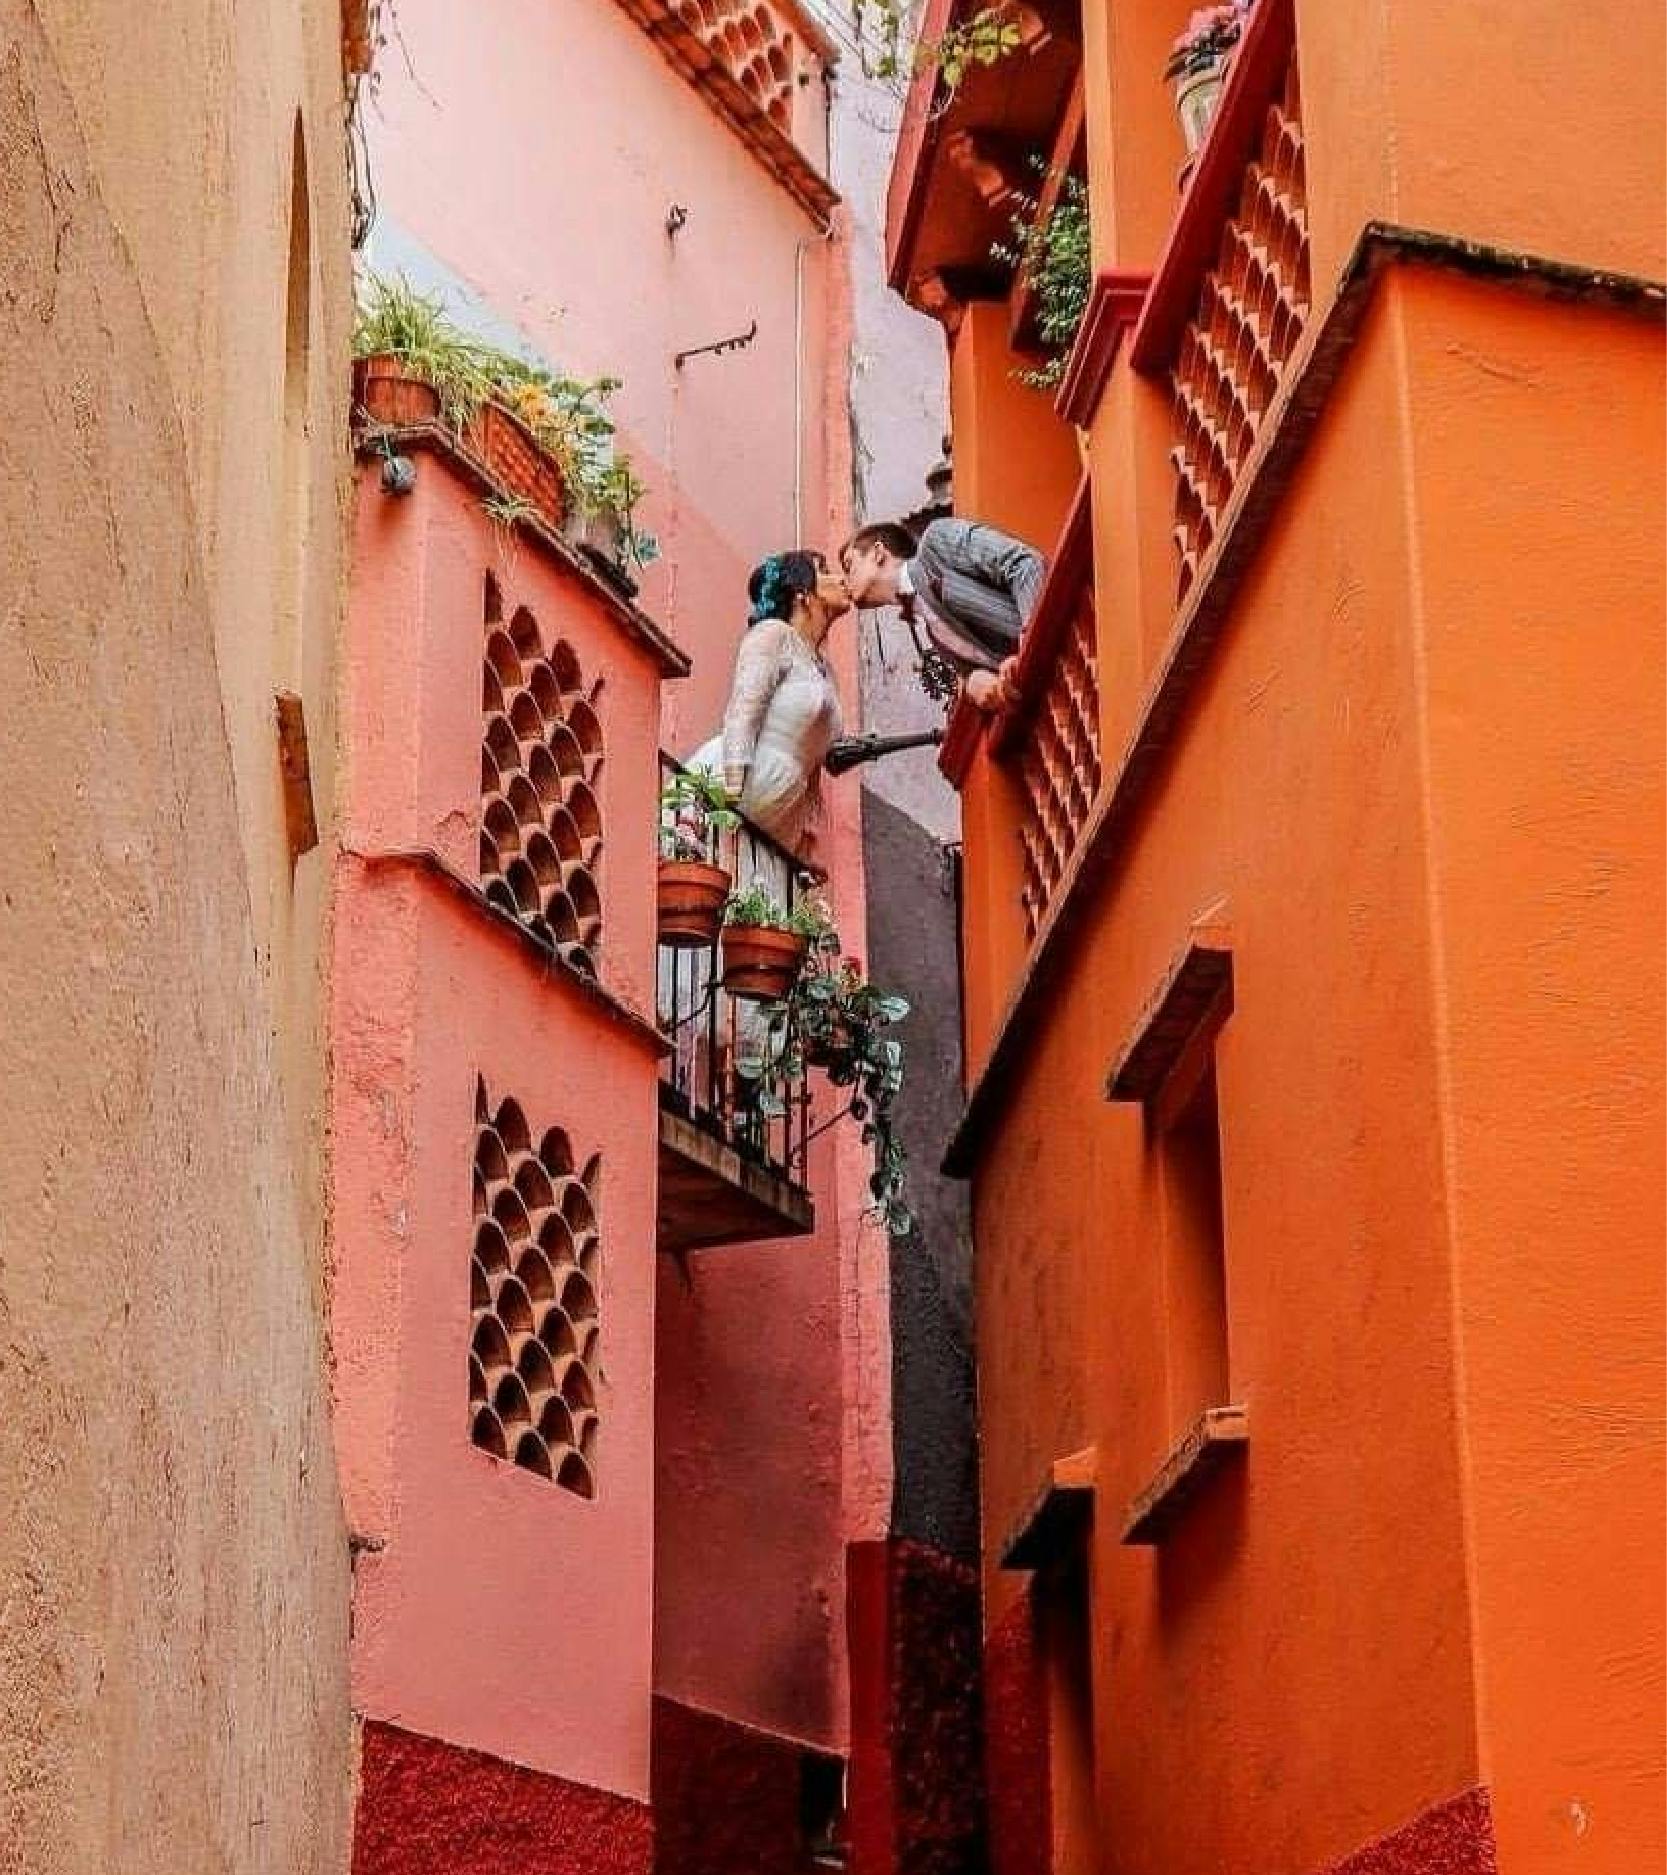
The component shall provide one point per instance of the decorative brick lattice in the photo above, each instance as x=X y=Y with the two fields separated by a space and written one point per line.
x=1251 y=311
x=1059 y=768
x=541 y=824
x=533 y=1295
x=752 y=46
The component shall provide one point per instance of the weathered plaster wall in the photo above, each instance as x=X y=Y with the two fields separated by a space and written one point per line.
x=912 y=948
x=173 y=1566
x=428 y=1808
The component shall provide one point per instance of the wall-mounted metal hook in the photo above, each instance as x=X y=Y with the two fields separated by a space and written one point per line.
x=677 y=218
x=736 y=342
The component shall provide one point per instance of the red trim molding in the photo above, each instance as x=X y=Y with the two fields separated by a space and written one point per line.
x=1195 y=238
x=1454 y=1837
x=917 y=143
x=1114 y=307
x=963 y=736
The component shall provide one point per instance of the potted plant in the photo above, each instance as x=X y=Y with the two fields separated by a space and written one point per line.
x=764 y=946
x=1197 y=68
x=412 y=365
x=833 y=1019
x=695 y=808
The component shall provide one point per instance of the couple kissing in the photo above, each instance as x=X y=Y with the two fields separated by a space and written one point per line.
x=968 y=586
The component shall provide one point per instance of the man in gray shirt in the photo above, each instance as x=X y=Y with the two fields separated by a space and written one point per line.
x=972 y=588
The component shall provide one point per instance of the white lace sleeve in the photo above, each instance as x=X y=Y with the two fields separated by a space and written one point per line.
x=758 y=666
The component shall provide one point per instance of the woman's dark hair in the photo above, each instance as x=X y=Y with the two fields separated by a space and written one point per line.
x=780 y=580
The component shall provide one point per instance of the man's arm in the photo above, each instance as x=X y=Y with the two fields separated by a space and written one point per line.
x=1005 y=561
x=998 y=559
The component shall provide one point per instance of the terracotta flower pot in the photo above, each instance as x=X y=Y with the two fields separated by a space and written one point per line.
x=761 y=965
x=513 y=457
x=388 y=394
x=691 y=903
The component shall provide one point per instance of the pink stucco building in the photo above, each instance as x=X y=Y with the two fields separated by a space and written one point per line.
x=600 y=1547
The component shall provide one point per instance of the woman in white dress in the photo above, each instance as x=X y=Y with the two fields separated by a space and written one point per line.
x=783 y=713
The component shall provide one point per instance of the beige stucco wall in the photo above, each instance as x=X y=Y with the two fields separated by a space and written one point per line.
x=173 y=1563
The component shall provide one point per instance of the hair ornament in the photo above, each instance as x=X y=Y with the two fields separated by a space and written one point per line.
x=769 y=591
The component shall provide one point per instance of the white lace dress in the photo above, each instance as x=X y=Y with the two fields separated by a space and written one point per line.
x=782 y=718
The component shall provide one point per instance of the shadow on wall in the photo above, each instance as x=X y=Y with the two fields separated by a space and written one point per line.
x=913 y=945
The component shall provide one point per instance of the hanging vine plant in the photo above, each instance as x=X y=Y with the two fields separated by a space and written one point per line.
x=990 y=35
x=837 y=1022
x=1052 y=254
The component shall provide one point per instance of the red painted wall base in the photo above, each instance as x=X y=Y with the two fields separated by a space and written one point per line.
x=428 y=1808
x=917 y=1783
x=1453 y=1838
x=1016 y=1746
x=726 y=1798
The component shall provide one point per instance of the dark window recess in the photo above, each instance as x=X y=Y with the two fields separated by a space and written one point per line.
x=1194 y=1253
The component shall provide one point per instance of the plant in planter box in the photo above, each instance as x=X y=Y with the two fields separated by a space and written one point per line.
x=695 y=811
x=1052 y=254
x=1198 y=63
x=415 y=363
x=833 y=1019
x=764 y=945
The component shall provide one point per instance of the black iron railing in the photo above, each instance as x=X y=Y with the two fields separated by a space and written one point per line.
x=724 y=1072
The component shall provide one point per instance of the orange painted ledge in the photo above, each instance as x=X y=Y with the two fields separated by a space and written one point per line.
x=1214 y=1440
x=1197 y=982
x=1056 y=1523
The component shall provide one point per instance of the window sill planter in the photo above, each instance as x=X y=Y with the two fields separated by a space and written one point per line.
x=512 y=457
x=761 y=964
x=389 y=396
x=691 y=903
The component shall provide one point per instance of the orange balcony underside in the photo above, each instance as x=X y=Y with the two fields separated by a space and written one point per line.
x=950 y=198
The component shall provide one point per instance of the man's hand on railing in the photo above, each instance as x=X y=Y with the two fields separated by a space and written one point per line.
x=997 y=691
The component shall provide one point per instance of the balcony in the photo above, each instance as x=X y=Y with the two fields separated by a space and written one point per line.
x=733 y=1140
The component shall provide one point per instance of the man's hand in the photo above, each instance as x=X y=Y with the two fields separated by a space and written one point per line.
x=993 y=691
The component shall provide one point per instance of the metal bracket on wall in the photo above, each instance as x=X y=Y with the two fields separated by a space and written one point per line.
x=737 y=341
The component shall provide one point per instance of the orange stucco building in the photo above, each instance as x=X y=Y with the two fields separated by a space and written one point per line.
x=1311 y=937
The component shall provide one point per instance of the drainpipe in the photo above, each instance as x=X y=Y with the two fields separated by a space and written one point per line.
x=800 y=247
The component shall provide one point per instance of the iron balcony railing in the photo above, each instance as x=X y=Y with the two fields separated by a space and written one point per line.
x=724 y=1073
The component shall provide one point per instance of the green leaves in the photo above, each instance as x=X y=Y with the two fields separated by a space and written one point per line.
x=835 y=1020
x=1053 y=254
x=991 y=34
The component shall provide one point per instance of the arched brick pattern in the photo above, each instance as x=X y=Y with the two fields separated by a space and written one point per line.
x=1251 y=312
x=751 y=45
x=534 y=1286
x=1060 y=765
x=541 y=819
